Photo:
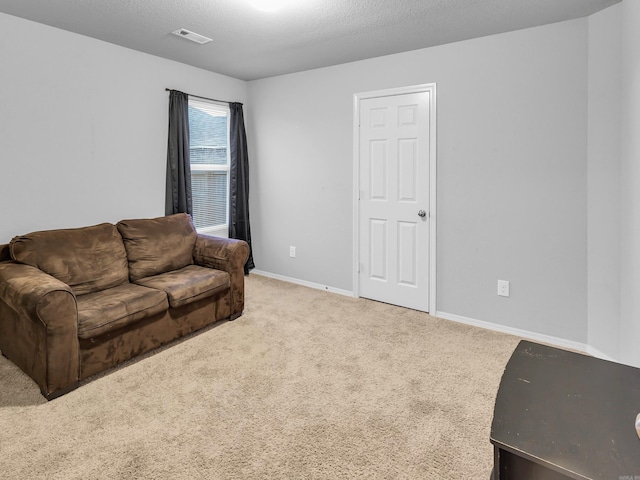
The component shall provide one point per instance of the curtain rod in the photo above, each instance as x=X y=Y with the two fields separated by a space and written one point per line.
x=204 y=98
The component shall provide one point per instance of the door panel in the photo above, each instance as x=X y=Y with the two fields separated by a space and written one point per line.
x=378 y=169
x=378 y=251
x=394 y=179
x=407 y=240
x=407 y=163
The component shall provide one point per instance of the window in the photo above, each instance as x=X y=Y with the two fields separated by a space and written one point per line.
x=209 y=153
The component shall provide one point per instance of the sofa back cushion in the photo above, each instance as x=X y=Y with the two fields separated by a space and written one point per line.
x=87 y=259
x=158 y=245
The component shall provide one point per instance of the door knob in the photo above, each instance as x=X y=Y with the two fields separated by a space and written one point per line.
x=638 y=425
x=422 y=213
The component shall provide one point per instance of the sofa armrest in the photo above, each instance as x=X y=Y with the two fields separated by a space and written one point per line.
x=39 y=326
x=5 y=253
x=25 y=288
x=228 y=255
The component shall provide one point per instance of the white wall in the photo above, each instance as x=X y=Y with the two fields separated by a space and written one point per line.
x=512 y=173
x=630 y=185
x=83 y=127
x=603 y=187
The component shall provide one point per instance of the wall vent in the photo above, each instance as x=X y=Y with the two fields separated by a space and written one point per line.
x=189 y=35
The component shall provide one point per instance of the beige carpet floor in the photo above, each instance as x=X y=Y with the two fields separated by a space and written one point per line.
x=305 y=385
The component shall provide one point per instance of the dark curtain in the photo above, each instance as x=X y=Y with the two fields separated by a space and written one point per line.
x=239 y=195
x=178 y=193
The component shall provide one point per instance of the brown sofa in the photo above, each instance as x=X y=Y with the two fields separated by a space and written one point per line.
x=75 y=302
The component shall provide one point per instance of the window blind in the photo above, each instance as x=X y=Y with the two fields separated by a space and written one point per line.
x=209 y=157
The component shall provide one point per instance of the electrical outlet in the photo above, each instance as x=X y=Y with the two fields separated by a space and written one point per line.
x=292 y=252
x=503 y=288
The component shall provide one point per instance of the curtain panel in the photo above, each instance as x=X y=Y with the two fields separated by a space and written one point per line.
x=178 y=188
x=239 y=227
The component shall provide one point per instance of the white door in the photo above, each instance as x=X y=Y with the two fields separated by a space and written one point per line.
x=394 y=150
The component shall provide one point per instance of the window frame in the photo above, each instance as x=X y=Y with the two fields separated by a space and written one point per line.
x=221 y=230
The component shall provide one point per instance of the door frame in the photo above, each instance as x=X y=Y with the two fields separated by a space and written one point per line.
x=357 y=98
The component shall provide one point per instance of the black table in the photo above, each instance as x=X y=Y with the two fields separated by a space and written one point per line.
x=562 y=415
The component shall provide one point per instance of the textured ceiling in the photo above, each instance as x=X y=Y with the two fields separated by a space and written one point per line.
x=250 y=44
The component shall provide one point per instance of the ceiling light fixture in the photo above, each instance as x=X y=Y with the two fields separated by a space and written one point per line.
x=268 y=5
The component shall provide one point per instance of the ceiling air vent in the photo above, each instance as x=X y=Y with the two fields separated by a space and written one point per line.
x=189 y=35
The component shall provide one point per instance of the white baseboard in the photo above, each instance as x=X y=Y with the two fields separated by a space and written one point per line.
x=594 y=352
x=304 y=283
x=538 y=337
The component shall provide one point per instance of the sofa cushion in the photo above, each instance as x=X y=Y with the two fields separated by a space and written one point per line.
x=188 y=284
x=107 y=310
x=87 y=259
x=158 y=245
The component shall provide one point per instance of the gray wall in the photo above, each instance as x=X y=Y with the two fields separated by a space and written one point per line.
x=83 y=127
x=630 y=185
x=512 y=173
x=603 y=187
x=539 y=179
